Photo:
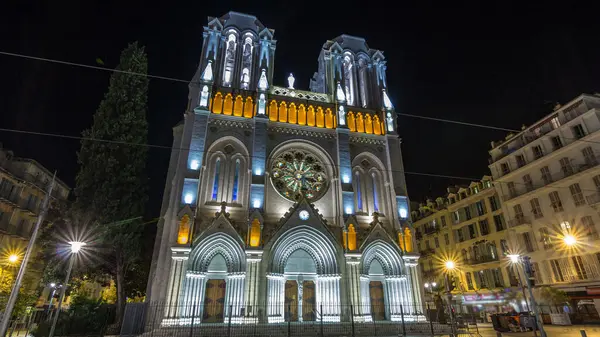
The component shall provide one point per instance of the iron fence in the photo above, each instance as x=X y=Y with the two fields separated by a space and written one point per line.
x=289 y=319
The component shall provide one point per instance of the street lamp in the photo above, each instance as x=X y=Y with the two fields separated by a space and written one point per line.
x=570 y=240
x=75 y=248
x=525 y=261
x=450 y=265
x=13 y=258
x=514 y=259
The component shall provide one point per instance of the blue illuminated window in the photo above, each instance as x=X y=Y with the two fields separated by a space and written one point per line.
x=375 y=201
x=358 y=196
x=216 y=182
x=236 y=180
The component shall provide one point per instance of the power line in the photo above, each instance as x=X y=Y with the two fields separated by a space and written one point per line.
x=92 y=67
x=188 y=82
x=186 y=149
x=249 y=157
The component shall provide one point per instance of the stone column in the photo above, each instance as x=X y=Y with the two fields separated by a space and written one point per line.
x=179 y=257
x=234 y=296
x=365 y=297
x=253 y=260
x=275 y=298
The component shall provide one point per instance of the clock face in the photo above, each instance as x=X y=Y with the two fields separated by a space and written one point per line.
x=296 y=174
x=304 y=215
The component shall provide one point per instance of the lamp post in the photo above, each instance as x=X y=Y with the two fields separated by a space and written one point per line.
x=75 y=248
x=526 y=264
x=514 y=260
x=450 y=265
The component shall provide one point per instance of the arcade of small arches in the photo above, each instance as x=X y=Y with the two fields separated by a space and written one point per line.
x=292 y=113
x=297 y=276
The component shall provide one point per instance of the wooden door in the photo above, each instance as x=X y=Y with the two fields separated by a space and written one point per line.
x=377 y=302
x=291 y=300
x=308 y=301
x=214 y=301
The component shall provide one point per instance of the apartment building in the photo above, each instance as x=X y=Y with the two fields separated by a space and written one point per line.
x=467 y=226
x=23 y=185
x=548 y=179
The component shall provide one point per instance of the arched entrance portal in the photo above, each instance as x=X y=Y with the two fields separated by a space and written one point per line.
x=300 y=274
x=214 y=285
x=385 y=289
x=303 y=277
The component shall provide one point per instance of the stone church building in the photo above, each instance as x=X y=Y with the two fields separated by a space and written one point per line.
x=285 y=204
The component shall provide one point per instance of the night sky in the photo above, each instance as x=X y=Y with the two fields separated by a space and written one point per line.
x=504 y=66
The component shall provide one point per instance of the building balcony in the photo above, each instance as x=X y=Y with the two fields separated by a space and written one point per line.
x=482 y=259
x=427 y=252
x=593 y=199
x=575 y=169
x=522 y=220
x=12 y=200
x=432 y=230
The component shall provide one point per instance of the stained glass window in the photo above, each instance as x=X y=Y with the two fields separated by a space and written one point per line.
x=375 y=201
x=216 y=181
x=297 y=174
x=236 y=180
x=358 y=194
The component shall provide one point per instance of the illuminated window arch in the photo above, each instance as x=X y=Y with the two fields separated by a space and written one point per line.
x=254 y=235
x=292 y=113
x=358 y=189
x=320 y=117
x=360 y=126
x=376 y=125
x=215 y=189
x=229 y=59
x=368 y=124
x=363 y=85
x=351 y=121
x=228 y=105
x=310 y=116
x=349 y=79
x=351 y=237
x=375 y=192
x=217 y=106
x=246 y=63
x=273 y=111
x=329 y=119
x=236 y=181
x=248 y=107
x=238 y=107
x=283 y=112
x=301 y=114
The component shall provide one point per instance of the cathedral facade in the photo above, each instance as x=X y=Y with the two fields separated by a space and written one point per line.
x=285 y=204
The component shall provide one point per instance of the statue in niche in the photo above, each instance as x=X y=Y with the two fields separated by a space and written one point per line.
x=291 y=81
x=262 y=82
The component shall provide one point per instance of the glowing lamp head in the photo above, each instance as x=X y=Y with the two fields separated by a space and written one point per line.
x=403 y=213
x=76 y=246
x=345 y=178
x=194 y=164
x=450 y=265
x=570 y=240
x=13 y=258
x=433 y=284
x=348 y=210
x=514 y=258
x=257 y=172
x=188 y=198
x=52 y=285
x=426 y=285
x=256 y=203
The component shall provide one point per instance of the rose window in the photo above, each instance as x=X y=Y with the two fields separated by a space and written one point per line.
x=297 y=173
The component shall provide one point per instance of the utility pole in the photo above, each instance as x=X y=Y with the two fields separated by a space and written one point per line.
x=17 y=285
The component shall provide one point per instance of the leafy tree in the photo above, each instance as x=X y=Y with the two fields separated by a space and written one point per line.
x=552 y=296
x=111 y=184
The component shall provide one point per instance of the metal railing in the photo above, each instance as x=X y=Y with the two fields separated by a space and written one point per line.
x=522 y=220
x=553 y=179
x=217 y=319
